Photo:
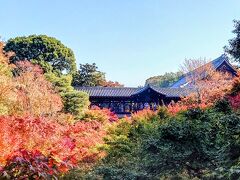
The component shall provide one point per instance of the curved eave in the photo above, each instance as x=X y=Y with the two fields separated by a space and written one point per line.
x=146 y=89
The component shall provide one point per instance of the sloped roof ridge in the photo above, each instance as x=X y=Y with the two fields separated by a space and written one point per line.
x=216 y=64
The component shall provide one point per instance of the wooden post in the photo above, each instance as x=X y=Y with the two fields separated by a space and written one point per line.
x=130 y=106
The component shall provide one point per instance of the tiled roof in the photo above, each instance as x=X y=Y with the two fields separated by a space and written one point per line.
x=108 y=91
x=128 y=92
x=216 y=63
x=174 y=92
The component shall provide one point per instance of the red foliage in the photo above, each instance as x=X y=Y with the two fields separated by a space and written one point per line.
x=29 y=165
x=65 y=144
x=33 y=139
x=235 y=101
x=234 y=97
x=82 y=137
x=185 y=104
x=208 y=91
x=236 y=85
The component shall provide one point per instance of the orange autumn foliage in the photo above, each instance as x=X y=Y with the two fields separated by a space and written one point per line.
x=27 y=92
x=214 y=87
x=64 y=143
x=35 y=95
x=183 y=105
x=143 y=115
x=33 y=121
x=207 y=92
x=101 y=115
x=8 y=95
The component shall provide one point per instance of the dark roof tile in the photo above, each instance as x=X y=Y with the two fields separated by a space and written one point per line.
x=128 y=92
x=108 y=91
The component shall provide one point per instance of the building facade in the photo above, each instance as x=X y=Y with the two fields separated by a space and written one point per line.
x=125 y=100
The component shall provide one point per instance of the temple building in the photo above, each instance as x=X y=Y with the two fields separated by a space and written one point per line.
x=124 y=100
x=220 y=64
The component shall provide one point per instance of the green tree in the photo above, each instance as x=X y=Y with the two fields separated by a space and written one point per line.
x=234 y=44
x=75 y=102
x=88 y=75
x=46 y=51
x=56 y=60
x=194 y=144
x=165 y=80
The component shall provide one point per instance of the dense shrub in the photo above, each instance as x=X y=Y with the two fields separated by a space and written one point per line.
x=75 y=102
x=66 y=144
x=30 y=134
x=223 y=105
x=156 y=148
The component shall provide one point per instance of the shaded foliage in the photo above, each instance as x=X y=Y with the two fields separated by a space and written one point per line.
x=153 y=148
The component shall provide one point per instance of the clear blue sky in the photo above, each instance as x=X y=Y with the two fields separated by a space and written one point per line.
x=130 y=40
